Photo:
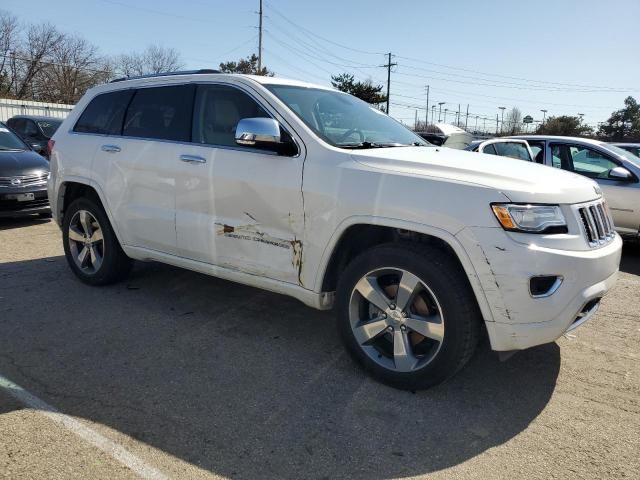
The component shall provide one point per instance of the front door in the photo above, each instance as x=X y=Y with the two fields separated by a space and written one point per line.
x=622 y=200
x=238 y=207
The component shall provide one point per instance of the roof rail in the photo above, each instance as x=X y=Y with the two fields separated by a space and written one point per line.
x=167 y=74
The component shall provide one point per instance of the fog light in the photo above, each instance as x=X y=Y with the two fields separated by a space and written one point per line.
x=544 y=285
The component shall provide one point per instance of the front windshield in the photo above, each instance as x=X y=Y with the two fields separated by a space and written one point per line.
x=49 y=127
x=9 y=140
x=623 y=153
x=344 y=120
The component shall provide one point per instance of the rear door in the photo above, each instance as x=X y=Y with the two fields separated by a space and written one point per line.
x=139 y=168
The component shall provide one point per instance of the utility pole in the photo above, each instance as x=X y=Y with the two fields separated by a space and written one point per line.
x=389 y=65
x=445 y=114
x=433 y=113
x=466 y=118
x=476 y=127
x=426 y=122
x=497 y=120
x=415 y=121
x=260 y=39
x=458 y=119
x=544 y=114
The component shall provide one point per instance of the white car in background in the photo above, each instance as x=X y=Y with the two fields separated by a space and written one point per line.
x=616 y=170
x=306 y=191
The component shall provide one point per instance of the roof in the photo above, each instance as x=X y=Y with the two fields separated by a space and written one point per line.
x=557 y=137
x=208 y=75
x=623 y=144
x=38 y=118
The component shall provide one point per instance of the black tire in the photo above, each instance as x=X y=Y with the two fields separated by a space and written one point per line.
x=445 y=280
x=115 y=264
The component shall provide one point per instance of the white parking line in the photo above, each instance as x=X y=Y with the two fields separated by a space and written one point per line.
x=111 y=448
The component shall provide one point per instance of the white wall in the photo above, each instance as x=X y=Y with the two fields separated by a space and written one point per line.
x=9 y=108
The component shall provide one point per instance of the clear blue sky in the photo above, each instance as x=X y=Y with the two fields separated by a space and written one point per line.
x=564 y=56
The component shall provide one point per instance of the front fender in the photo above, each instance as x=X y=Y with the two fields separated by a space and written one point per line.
x=441 y=234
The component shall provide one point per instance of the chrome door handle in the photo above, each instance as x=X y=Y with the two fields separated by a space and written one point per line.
x=193 y=159
x=110 y=148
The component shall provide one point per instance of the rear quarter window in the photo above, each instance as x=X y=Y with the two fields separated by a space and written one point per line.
x=105 y=113
x=161 y=112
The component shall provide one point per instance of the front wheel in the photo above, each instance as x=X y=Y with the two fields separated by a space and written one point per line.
x=407 y=314
x=90 y=245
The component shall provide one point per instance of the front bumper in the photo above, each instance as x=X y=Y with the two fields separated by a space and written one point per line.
x=10 y=206
x=504 y=268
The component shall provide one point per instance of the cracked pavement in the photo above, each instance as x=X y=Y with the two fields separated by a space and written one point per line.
x=203 y=378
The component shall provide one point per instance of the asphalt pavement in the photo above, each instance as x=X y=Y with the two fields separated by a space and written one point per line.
x=174 y=374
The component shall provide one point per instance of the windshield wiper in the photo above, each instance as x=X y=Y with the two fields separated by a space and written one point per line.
x=363 y=145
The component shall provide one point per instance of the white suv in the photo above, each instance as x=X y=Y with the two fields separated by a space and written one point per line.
x=310 y=192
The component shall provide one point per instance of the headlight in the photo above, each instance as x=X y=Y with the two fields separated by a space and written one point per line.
x=530 y=218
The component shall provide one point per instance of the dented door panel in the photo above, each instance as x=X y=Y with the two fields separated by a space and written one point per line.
x=242 y=209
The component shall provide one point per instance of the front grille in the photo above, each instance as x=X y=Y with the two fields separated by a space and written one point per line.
x=598 y=227
x=24 y=180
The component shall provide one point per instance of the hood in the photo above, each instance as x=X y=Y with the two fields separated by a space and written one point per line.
x=519 y=180
x=24 y=162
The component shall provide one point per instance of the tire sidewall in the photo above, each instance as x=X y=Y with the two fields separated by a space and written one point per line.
x=438 y=277
x=110 y=241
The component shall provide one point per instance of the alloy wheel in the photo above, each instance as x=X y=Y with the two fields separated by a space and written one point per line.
x=396 y=319
x=86 y=242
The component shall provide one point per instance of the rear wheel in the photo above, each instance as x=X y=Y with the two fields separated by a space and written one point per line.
x=90 y=245
x=407 y=314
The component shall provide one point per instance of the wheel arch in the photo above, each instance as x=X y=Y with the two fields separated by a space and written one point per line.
x=358 y=233
x=72 y=188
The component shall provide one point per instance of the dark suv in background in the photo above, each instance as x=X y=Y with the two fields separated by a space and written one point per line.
x=35 y=130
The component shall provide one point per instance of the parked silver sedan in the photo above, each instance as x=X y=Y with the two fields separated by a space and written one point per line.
x=617 y=171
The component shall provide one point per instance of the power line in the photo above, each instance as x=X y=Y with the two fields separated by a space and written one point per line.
x=297 y=25
x=505 y=76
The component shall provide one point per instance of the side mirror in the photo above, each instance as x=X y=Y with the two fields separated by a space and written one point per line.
x=258 y=132
x=620 y=173
x=38 y=148
x=264 y=133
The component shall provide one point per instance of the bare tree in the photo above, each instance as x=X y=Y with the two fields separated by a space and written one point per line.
x=9 y=33
x=154 y=59
x=34 y=56
x=75 y=67
x=512 y=122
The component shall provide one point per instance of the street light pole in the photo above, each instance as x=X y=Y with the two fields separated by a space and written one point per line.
x=445 y=114
x=426 y=119
x=544 y=114
x=440 y=111
x=502 y=119
x=433 y=113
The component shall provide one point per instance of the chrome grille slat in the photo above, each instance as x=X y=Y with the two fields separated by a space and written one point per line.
x=598 y=227
x=25 y=180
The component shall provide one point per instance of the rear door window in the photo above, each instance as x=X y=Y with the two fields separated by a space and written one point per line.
x=31 y=131
x=489 y=149
x=104 y=114
x=161 y=112
x=513 y=150
x=17 y=124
